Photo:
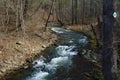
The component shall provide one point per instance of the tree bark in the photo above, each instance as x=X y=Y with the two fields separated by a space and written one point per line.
x=25 y=8
x=75 y=16
x=108 y=24
x=20 y=15
x=72 y=12
x=49 y=15
x=83 y=11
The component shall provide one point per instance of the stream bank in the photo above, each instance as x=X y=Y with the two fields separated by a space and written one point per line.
x=17 y=51
x=70 y=59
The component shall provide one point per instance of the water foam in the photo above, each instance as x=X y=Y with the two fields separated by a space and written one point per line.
x=59 y=30
x=58 y=62
x=66 y=51
x=64 y=59
x=39 y=76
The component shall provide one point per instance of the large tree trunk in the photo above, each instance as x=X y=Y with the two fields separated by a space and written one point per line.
x=108 y=24
x=115 y=38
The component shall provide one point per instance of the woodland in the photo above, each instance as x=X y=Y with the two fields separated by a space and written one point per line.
x=25 y=32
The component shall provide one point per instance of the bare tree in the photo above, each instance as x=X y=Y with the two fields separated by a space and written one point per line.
x=21 y=9
x=6 y=16
x=49 y=14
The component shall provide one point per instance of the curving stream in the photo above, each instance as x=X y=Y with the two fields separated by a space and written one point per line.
x=60 y=62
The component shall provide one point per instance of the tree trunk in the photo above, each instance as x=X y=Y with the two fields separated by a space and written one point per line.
x=72 y=12
x=75 y=16
x=18 y=22
x=115 y=38
x=49 y=15
x=25 y=8
x=83 y=11
x=108 y=24
x=19 y=15
x=91 y=8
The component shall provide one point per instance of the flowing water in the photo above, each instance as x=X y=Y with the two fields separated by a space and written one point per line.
x=57 y=63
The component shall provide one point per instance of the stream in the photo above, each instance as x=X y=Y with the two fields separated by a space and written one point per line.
x=63 y=62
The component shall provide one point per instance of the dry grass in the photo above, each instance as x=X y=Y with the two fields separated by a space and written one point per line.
x=86 y=29
x=16 y=47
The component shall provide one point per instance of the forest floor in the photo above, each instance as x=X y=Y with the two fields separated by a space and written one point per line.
x=18 y=49
x=86 y=29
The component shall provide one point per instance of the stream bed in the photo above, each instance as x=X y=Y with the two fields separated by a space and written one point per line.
x=63 y=62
